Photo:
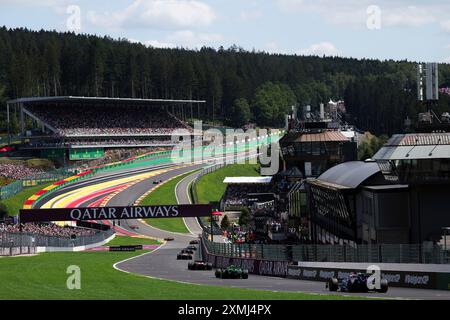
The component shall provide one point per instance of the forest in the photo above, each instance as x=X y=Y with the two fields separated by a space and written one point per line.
x=239 y=86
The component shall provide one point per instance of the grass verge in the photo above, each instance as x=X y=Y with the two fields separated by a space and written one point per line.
x=130 y=241
x=210 y=188
x=15 y=203
x=163 y=195
x=44 y=277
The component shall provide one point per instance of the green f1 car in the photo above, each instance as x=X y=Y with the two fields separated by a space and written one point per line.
x=232 y=272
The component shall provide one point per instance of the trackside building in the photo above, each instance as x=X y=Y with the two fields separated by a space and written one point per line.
x=400 y=197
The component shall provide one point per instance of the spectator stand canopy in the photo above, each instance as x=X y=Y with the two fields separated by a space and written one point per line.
x=247 y=180
x=149 y=127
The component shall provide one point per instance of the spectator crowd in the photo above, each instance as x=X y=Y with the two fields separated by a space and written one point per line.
x=236 y=194
x=88 y=120
x=47 y=230
x=18 y=171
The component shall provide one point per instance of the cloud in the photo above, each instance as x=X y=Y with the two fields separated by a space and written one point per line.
x=394 y=13
x=154 y=43
x=272 y=47
x=410 y=17
x=185 y=39
x=445 y=25
x=288 y=5
x=37 y=3
x=190 y=39
x=320 y=49
x=162 y=14
x=251 y=14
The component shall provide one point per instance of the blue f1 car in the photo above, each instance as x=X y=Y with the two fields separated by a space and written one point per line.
x=355 y=282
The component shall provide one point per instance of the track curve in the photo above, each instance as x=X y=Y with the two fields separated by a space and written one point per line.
x=162 y=263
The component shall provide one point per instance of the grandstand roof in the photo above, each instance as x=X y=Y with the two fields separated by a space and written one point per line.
x=349 y=174
x=415 y=146
x=75 y=99
x=247 y=180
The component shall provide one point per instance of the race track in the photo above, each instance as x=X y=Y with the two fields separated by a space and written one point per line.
x=124 y=187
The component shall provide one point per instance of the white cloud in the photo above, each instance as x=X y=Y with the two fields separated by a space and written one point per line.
x=410 y=17
x=190 y=39
x=37 y=3
x=251 y=14
x=320 y=49
x=394 y=13
x=272 y=47
x=288 y=5
x=154 y=43
x=184 y=38
x=445 y=25
x=163 y=14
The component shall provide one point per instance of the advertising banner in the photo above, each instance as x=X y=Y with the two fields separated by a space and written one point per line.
x=405 y=279
x=86 y=154
x=115 y=213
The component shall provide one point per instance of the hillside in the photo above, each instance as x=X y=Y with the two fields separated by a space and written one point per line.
x=379 y=94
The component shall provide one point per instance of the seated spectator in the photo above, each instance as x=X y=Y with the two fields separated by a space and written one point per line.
x=18 y=171
x=48 y=229
x=87 y=120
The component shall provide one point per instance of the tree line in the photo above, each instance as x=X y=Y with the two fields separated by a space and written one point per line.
x=238 y=85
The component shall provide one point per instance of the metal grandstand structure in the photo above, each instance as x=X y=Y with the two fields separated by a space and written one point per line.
x=179 y=109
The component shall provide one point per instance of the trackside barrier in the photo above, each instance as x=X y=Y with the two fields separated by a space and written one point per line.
x=224 y=256
x=262 y=261
x=383 y=253
x=162 y=157
x=25 y=243
x=87 y=174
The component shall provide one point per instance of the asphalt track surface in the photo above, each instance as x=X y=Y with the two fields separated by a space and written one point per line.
x=162 y=264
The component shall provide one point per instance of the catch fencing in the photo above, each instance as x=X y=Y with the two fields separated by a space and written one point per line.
x=382 y=253
x=24 y=243
x=206 y=226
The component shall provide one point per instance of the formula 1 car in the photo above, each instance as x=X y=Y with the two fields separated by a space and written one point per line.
x=188 y=251
x=194 y=242
x=169 y=239
x=355 y=282
x=193 y=248
x=184 y=256
x=199 y=265
x=232 y=272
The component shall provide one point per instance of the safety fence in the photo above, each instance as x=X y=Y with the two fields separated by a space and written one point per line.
x=193 y=191
x=154 y=158
x=382 y=253
x=51 y=176
x=59 y=174
x=24 y=243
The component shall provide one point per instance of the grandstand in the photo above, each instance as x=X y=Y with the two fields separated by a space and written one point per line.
x=95 y=123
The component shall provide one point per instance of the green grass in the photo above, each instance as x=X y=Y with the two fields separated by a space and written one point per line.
x=15 y=203
x=44 y=277
x=162 y=196
x=130 y=241
x=211 y=188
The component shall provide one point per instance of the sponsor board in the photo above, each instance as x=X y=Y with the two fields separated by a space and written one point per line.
x=254 y=266
x=122 y=248
x=114 y=213
x=420 y=280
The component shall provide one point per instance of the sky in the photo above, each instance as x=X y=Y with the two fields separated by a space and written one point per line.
x=416 y=30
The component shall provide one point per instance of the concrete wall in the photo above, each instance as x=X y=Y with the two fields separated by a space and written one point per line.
x=74 y=249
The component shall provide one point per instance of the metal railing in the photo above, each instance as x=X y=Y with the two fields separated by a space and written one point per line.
x=206 y=226
x=12 y=243
x=383 y=253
